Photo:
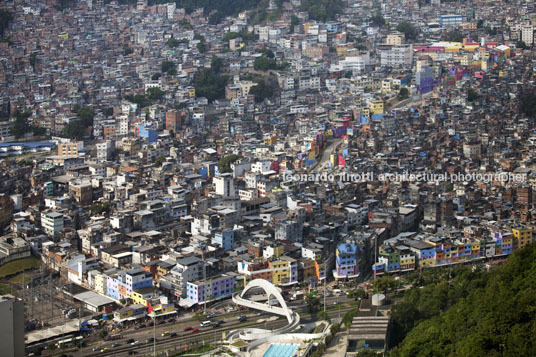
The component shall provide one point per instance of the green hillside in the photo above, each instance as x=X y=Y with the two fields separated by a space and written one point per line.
x=475 y=313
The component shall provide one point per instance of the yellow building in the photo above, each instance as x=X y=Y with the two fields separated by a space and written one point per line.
x=407 y=260
x=141 y=296
x=387 y=85
x=376 y=107
x=191 y=92
x=522 y=235
x=308 y=266
x=282 y=270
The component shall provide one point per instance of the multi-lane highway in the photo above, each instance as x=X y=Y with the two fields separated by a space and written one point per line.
x=203 y=334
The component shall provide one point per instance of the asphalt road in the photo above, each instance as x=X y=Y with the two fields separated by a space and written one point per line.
x=206 y=334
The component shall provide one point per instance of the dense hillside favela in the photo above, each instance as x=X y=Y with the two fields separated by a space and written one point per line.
x=271 y=178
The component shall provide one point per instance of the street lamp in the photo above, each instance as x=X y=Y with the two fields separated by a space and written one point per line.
x=153 y=316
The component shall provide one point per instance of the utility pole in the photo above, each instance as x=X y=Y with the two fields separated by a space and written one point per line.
x=51 y=299
x=325 y=281
x=375 y=252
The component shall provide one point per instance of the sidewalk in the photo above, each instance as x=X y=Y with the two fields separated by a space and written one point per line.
x=337 y=347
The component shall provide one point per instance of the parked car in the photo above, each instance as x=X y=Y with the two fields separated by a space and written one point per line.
x=194 y=330
x=189 y=328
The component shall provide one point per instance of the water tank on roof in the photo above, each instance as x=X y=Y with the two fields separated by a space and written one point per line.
x=378 y=299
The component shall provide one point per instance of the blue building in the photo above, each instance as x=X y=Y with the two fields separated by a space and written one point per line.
x=450 y=20
x=224 y=239
x=346 y=261
x=148 y=133
x=212 y=289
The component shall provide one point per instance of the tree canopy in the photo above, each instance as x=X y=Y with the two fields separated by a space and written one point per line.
x=5 y=18
x=322 y=10
x=409 y=31
x=224 y=165
x=210 y=83
x=262 y=90
x=474 y=313
x=453 y=36
x=76 y=129
x=263 y=63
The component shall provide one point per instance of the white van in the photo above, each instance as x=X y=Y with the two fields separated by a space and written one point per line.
x=205 y=323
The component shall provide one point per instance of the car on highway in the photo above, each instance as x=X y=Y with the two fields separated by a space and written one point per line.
x=130 y=340
x=216 y=325
x=194 y=330
x=115 y=344
x=96 y=348
x=149 y=340
x=189 y=328
x=165 y=333
x=135 y=342
x=104 y=349
x=173 y=334
x=242 y=318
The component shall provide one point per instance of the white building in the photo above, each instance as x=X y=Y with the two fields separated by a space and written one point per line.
x=52 y=222
x=224 y=185
x=396 y=56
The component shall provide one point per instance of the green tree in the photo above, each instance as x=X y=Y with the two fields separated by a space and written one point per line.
x=453 y=36
x=21 y=126
x=472 y=95
x=159 y=161
x=312 y=302
x=323 y=315
x=156 y=76
x=294 y=21
x=127 y=51
x=521 y=44
x=262 y=90
x=155 y=93
x=377 y=19
x=403 y=93
x=348 y=317
x=201 y=45
x=166 y=66
x=224 y=165
x=409 y=31
x=209 y=84
x=97 y=208
x=357 y=294
x=322 y=10
x=216 y=66
x=5 y=18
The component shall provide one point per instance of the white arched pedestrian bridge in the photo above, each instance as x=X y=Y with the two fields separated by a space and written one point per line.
x=250 y=334
x=271 y=291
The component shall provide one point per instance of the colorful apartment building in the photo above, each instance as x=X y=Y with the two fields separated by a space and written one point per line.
x=402 y=253
x=522 y=236
x=346 y=263
x=212 y=289
x=281 y=271
x=120 y=285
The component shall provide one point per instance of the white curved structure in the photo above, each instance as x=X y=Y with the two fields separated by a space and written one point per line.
x=270 y=291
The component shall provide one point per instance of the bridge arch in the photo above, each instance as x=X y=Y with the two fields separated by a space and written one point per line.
x=270 y=290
